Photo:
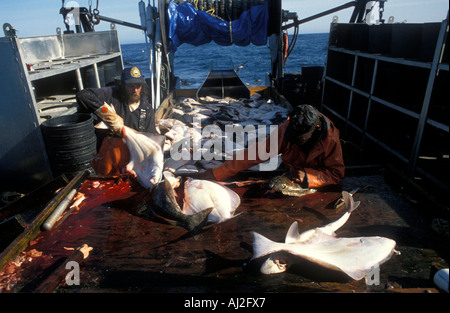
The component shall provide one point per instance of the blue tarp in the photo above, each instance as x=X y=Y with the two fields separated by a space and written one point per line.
x=189 y=25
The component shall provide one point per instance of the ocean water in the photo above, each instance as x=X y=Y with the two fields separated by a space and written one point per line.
x=192 y=64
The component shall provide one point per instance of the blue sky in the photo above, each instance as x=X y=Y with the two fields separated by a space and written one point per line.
x=41 y=17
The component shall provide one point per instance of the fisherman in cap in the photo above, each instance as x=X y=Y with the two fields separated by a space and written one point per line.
x=125 y=104
x=310 y=148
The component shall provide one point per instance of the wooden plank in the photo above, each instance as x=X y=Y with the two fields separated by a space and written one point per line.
x=56 y=277
x=136 y=254
x=164 y=108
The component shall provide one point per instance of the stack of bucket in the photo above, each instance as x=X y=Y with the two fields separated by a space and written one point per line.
x=70 y=142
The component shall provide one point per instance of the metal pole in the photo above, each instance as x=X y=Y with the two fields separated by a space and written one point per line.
x=97 y=79
x=426 y=102
x=319 y=15
x=123 y=23
x=79 y=79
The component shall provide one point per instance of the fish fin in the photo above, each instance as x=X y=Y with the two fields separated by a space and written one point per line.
x=235 y=215
x=263 y=246
x=170 y=192
x=292 y=234
x=347 y=199
x=355 y=205
x=229 y=218
x=159 y=139
x=350 y=204
x=331 y=228
x=198 y=220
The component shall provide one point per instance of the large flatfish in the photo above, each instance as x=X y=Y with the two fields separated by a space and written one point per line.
x=356 y=257
x=202 y=194
x=146 y=156
x=164 y=204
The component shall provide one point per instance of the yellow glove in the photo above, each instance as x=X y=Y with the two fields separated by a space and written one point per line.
x=108 y=115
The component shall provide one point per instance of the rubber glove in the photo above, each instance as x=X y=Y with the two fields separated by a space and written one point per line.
x=108 y=115
x=298 y=176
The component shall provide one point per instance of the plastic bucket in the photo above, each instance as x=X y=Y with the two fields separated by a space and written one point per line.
x=70 y=142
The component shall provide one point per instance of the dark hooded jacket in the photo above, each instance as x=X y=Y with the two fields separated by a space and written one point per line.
x=323 y=163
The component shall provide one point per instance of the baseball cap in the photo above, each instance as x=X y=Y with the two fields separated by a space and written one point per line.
x=132 y=75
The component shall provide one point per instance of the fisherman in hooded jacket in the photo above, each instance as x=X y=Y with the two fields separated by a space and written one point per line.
x=124 y=105
x=310 y=148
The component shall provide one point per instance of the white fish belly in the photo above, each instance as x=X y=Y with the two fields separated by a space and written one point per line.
x=202 y=194
x=353 y=256
x=146 y=157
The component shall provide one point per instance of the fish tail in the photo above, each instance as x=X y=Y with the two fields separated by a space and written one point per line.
x=263 y=246
x=196 y=221
x=350 y=204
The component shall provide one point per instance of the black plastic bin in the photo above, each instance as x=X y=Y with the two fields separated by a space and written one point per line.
x=70 y=142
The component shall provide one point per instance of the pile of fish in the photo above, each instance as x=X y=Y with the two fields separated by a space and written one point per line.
x=208 y=110
x=205 y=122
x=192 y=203
x=155 y=167
x=356 y=257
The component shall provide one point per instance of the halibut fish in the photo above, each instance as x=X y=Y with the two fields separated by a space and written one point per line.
x=164 y=204
x=353 y=256
x=202 y=194
x=146 y=156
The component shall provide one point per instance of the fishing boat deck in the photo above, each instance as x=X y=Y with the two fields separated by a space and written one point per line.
x=132 y=254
